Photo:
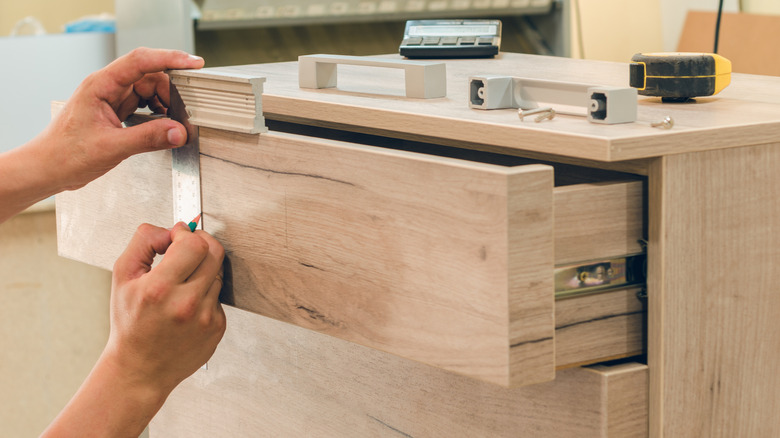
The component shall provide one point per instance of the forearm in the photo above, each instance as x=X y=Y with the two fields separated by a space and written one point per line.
x=27 y=175
x=110 y=403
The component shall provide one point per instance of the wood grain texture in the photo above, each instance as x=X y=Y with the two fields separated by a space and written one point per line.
x=744 y=113
x=223 y=101
x=714 y=256
x=626 y=412
x=598 y=220
x=270 y=379
x=594 y=328
x=426 y=257
x=96 y=222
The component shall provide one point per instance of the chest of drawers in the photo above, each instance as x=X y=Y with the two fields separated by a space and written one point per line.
x=392 y=260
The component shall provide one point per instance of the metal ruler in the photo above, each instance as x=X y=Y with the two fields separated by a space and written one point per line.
x=185 y=165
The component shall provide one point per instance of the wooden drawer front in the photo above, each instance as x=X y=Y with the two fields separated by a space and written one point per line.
x=444 y=261
x=270 y=379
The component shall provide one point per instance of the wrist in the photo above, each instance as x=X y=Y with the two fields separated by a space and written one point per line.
x=110 y=402
x=141 y=390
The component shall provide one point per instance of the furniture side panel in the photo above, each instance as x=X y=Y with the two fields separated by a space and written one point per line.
x=714 y=255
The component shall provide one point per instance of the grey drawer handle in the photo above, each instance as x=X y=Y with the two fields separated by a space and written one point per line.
x=423 y=79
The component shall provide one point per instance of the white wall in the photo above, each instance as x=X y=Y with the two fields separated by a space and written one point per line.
x=45 y=68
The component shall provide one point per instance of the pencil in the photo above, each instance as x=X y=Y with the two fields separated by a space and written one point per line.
x=194 y=223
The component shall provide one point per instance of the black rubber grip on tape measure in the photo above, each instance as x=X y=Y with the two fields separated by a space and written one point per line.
x=678 y=65
x=675 y=77
x=678 y=87
x=636 y=75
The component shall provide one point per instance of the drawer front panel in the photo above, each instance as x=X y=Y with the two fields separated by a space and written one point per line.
x=443 y=261
x=271 y=379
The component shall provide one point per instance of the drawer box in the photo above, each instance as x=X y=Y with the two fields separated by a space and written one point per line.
x=268 y=378
x=442 y=260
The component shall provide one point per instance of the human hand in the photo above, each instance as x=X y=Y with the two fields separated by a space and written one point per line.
x=87 y=140
x=166 y=321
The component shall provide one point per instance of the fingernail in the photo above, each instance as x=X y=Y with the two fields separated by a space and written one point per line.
x=175 y=137
x=195 y=58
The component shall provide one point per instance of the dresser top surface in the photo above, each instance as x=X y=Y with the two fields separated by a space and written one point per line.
x=372 y=99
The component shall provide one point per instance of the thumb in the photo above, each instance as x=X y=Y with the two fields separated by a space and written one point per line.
x=151 y=136
x=138 y=257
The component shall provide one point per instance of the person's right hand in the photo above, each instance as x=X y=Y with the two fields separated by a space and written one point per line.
x=166 y=321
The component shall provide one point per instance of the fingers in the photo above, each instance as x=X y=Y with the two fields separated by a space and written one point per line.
x=154 y=85
x=137 y=259
x=150 y=136
x=192 y=257
x=216 y=287
x=139 y=76
x=130 y=68
x=184 y=255
x=209 y=275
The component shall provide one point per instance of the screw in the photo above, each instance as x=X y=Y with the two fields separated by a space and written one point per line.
x=666 y=123
x=522 y=113
x=549 y=115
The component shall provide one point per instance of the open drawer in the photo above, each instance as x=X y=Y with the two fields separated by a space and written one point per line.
x=446 y=261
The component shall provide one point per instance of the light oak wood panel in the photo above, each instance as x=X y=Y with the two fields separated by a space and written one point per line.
x=96 y=222
x=738 y=116
x=268 y=378
x=426 y=257
x=598 y=220
x=713 y=258
x=598 y=327
x=626 y=412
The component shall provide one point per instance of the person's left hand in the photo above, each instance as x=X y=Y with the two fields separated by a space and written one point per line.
x=87 y=140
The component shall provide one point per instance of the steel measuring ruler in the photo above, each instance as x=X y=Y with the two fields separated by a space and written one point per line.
x=185 y=165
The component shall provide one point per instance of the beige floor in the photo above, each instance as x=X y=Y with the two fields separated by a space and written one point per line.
x=53 y=323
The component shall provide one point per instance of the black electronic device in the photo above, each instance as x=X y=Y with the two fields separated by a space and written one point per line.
x=474 y=38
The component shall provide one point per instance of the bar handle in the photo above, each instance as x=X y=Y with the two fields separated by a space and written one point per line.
x=423 y=79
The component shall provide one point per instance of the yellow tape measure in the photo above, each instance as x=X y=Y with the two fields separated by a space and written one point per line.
x=677 y=77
